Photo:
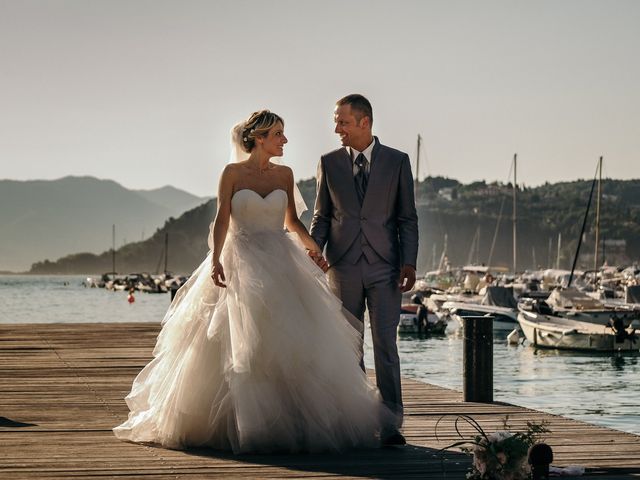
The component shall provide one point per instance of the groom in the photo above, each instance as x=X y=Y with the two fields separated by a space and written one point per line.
x=365 y=219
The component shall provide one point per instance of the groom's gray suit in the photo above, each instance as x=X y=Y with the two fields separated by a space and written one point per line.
x=366 y=245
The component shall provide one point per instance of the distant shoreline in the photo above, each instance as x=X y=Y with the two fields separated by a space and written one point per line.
x=14 y=274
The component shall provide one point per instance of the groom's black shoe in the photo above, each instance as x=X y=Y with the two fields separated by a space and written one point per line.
x=394 y=439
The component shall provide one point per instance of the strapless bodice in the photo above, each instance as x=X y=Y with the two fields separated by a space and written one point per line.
x=250 y=212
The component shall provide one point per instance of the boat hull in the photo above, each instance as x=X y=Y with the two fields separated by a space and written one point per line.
x=546 y=331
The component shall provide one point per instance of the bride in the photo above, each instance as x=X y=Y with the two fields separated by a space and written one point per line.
x=262 y=359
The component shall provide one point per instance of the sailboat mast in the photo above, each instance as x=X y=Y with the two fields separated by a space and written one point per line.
x=515 y=193
x=533 y=258
x=595 y=256
x=584 y=224
x=434 y=265
x=113 y=248
x=443 y=257
x=417 y=165
x=166 y=251
x=559 y=248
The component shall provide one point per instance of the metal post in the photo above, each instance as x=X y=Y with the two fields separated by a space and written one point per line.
x=477 y=359
x=515 y=215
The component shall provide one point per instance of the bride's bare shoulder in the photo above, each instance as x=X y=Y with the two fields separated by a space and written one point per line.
x=283 y=170
x=232 y=169
x=229 y=177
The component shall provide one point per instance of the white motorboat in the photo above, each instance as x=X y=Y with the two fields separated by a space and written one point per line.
x=573 y=304
x=550 y=331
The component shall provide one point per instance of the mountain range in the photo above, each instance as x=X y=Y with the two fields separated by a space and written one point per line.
x=48 y=219
x=473 y=221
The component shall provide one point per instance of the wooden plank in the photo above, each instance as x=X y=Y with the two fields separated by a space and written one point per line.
x=68 y=381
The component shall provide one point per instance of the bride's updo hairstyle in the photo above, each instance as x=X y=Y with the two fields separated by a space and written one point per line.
x=257 y=125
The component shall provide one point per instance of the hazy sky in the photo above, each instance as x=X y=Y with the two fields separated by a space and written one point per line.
x=145 y=92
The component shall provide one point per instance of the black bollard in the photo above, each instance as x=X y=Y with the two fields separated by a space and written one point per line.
x=540 y=457
x=478 y=359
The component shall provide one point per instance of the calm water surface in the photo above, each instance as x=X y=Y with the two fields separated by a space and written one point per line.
x=597 y=388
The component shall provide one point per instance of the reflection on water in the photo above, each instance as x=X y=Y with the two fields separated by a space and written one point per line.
x=594 y=387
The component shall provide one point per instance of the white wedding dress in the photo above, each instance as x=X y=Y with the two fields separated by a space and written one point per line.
x=269 y=364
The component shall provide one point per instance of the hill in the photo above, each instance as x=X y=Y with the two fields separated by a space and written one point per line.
x=52 y=218
x=171 y=198
x=468 y=215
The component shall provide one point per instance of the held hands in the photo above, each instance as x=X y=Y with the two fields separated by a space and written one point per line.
x=217 y=274
x=317 y=257
x=407 y=278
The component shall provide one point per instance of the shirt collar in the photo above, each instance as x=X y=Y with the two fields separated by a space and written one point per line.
x=366 y=152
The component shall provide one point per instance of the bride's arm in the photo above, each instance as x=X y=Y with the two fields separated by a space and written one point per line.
x=291 y=220
x=221 y=224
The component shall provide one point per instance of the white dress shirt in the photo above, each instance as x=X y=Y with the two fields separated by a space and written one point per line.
x=367 y=154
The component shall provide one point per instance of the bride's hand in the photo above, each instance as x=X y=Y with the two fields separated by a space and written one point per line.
x=317 y=257
x=217 y=274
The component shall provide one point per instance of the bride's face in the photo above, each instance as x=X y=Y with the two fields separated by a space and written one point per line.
x=273 y=142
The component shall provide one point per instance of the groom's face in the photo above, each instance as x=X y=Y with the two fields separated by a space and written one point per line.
x=352 y=133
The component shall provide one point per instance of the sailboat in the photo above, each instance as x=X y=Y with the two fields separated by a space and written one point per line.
x=492 y=301
x=570 y=319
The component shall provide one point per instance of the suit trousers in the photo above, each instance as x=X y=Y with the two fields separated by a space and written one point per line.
x=376 y=285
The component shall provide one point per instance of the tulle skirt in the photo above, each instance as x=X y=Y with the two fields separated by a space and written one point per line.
x=269 y=364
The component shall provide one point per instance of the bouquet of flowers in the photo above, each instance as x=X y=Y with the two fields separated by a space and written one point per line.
x=501 y=455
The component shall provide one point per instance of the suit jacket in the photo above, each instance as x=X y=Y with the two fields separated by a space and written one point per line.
x=387 y=217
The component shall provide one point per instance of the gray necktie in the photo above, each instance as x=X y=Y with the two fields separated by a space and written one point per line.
x=361 y=178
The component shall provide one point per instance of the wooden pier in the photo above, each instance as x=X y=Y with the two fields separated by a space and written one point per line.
x=62 y=389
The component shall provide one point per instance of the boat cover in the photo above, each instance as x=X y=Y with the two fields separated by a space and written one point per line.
x=572 y=298
x=632 y=294
x=500 y=297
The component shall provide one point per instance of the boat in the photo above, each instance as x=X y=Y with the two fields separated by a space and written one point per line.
x=436 y=280
x=574 y=304
x=497 y=302
x=548 y=331
x=417 y=318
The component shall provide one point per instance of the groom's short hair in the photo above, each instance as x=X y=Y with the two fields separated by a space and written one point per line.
x=360 y=106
